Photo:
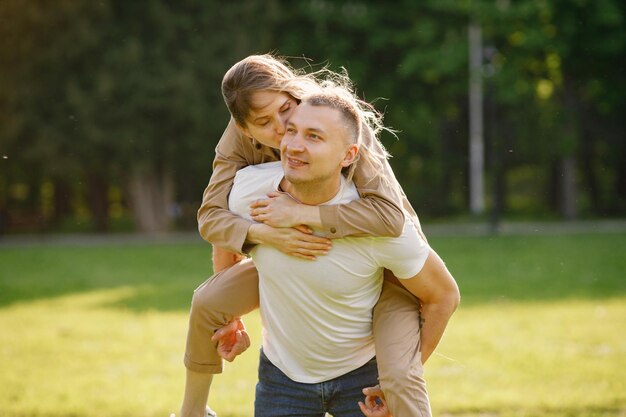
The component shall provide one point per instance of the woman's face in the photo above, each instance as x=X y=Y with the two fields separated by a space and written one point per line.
x=268 y=118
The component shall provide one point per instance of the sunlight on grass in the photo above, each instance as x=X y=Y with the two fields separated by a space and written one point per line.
x=532 y=359
x=100 y=332
x=78 y=356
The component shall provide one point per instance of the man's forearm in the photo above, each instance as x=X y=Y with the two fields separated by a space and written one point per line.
x=435 y=287
x=435 y=317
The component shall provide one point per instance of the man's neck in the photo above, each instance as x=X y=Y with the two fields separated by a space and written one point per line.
x=312 y=194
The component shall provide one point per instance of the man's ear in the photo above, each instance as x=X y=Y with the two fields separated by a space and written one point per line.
x=351 y=155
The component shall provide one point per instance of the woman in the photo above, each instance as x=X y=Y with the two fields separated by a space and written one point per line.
x=260 y=92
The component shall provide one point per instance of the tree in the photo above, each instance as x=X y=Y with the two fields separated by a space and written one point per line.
x=127 y=93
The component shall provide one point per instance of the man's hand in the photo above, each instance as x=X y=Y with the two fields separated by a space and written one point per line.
x=375 y=404
x=232 y=340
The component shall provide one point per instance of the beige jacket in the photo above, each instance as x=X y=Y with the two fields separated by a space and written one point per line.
x=378 y=212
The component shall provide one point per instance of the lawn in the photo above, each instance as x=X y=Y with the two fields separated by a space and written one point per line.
x=99 y=331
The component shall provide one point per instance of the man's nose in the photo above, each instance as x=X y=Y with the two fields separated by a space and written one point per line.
x=294 y=143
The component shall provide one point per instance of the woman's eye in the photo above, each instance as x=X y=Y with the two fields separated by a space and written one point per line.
x=290 y=130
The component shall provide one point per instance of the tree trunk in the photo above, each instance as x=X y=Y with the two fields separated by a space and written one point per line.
x=151 y=198
x=620 y=182
x=571 y=144
x=97 y=195
x=62 y=201
x=499 y=161
x=588 y=172
x=569 y=192
x=444 y=190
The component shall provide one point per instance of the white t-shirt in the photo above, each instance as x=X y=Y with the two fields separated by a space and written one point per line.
x=317 y=315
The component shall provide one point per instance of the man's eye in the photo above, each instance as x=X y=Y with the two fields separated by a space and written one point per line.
x=263 y=124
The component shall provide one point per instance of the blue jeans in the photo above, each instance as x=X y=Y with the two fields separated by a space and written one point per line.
x=277 y=395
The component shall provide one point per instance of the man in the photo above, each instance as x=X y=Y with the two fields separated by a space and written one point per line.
x=318 y=349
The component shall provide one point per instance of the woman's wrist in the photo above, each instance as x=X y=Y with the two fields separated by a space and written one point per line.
x=256 y=233
x=308 y=215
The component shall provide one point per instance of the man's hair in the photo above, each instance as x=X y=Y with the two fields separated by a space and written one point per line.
x=261 y=73
x=363 y=121
x=338 y=100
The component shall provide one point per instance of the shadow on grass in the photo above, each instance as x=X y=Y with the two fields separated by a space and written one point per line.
x=163 y=276
x=487 y=269
x=535 y=268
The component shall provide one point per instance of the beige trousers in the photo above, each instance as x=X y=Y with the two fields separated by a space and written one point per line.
x=396 y=325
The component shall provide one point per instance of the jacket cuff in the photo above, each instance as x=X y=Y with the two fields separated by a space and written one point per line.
x=239 y=235
x=330 y=220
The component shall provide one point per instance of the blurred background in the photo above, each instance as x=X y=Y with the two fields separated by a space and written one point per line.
x=506 y=110
x=510 y=119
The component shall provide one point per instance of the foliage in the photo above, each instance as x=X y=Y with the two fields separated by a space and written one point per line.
x=93 y=92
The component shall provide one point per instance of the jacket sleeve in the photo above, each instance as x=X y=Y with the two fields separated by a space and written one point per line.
x=216 y=223
x=379 y=210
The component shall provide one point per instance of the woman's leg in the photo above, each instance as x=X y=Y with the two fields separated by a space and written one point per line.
x=396 y=325
x=230 y=293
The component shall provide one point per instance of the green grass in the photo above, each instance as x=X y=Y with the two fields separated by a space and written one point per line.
x=100 y=331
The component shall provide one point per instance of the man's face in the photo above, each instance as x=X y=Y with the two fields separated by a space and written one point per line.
x=315 y=147
x=266 y=122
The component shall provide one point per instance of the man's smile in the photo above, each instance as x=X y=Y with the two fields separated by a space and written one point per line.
x=295 y=162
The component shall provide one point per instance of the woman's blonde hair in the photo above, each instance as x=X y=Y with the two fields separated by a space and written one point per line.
x=273 y=73
x=371 y=153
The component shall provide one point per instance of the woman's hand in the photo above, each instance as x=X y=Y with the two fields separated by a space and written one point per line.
x=280 y=210
x=375 y=404
x=294 y=241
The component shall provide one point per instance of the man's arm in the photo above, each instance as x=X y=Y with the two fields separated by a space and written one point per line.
x=439 y=295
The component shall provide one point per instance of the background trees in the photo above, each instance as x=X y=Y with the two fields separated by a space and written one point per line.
x=111 y=110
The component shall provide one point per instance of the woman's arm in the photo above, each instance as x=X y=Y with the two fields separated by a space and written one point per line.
x=379 y=210
x=216 y=223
